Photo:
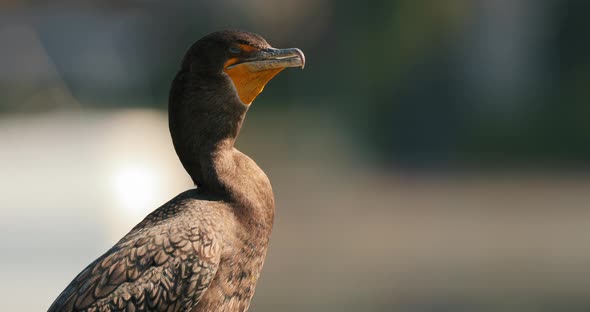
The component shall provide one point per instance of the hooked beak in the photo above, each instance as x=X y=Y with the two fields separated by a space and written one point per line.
x=271 y=58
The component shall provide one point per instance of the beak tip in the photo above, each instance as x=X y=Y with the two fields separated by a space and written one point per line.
x=301 y=56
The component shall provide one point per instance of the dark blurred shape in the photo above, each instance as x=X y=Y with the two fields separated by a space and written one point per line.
x=425 y=84
x=487 y=83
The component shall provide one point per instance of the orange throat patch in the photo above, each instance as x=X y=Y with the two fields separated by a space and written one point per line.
x=249 y=84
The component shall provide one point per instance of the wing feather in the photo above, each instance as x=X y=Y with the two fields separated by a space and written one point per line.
x=164 y=267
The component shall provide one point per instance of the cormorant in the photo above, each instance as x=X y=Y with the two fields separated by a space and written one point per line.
x=204 y=249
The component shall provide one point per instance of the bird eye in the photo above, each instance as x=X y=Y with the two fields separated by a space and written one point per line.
x=234 y=50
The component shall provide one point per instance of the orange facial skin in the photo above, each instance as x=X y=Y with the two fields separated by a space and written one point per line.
x=249 y=84
x=255 y=67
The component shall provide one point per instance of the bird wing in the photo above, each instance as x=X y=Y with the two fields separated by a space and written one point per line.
x=155 y=269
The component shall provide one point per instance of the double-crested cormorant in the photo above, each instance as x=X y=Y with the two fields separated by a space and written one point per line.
x=204 y=249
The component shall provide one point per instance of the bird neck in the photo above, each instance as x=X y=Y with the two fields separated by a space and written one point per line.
x=204 y=121
x=236 y=178
x=205 y=118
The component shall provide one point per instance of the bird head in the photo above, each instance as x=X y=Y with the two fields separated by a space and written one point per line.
x=246 y=58
x=221 y=74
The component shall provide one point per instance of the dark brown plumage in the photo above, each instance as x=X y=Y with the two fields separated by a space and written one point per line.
x=204 y=249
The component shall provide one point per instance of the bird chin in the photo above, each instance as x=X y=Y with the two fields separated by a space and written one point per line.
x=250 y=83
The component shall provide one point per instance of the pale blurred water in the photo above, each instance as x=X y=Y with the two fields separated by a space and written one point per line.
x=347 y=237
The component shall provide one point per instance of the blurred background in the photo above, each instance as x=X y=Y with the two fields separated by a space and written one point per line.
x=432 y=156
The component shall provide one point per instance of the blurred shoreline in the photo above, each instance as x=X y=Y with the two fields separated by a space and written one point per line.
x=342 y=230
